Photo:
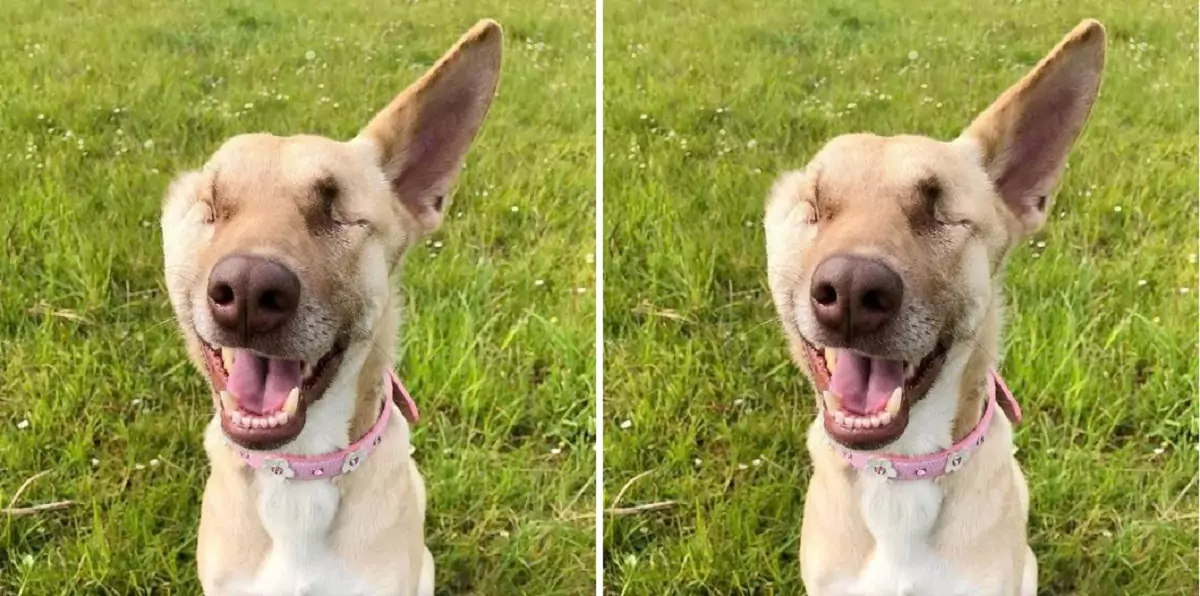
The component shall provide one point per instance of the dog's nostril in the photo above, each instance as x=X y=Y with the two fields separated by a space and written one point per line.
x=272 y=300
x=875 y=300
x=825 y=294
x=221 y=294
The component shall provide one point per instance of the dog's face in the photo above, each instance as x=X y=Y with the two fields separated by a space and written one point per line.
x=278 y=252
x=884 y=253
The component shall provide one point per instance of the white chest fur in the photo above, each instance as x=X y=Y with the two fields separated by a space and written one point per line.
x=901 y=516
x=298 y=516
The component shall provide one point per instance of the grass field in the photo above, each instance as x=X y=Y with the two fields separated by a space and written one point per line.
x=101 y=103
x=707 y=102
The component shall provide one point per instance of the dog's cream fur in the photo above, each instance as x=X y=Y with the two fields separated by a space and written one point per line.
x=361 y=533
x=962 y=534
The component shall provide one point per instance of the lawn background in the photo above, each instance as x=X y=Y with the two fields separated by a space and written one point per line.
x=707 y=102
x=102 y=103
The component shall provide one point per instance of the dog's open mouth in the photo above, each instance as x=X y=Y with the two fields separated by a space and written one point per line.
x=264 y=399
x=866 y=399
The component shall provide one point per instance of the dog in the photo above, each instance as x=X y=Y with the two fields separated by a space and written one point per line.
x=885 y=259
x=280 y=257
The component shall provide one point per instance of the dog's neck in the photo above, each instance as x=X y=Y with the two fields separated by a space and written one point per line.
x=369 y=389
x=972 y=384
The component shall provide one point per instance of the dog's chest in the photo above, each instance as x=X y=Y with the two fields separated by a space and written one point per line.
x=902 y=518
x=299 y=516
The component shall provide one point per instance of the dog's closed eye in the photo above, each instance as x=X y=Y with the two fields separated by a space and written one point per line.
x=328 y=191
x=808 y=212
x=209 y=204
x=932 y=195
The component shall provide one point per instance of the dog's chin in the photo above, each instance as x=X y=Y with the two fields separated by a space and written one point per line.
x=272 y=415
x=871 y=430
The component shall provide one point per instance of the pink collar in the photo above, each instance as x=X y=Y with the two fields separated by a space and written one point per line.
x=295 y=467
x=947 y=461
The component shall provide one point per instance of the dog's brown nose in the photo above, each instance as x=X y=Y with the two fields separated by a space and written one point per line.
x=853 y=296
x=249 y=295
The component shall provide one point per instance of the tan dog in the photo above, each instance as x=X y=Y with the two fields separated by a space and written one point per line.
x=280 y=258
x=885 y=261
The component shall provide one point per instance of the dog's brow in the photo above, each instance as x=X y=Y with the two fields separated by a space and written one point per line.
x=930 y=189
x=212 y=188
x=327 y=188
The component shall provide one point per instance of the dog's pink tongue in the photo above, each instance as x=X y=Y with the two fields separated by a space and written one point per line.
x=261 y=385
x=863 y=384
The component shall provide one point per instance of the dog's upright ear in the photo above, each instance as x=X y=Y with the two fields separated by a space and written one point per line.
x=1025 y=136
x=422 y=137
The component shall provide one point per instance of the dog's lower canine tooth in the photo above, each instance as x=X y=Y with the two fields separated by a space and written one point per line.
x=830 y=358
x=227 y=358
x=893 y=404
x=228 y=403
x=293 y=401
x=831 y=401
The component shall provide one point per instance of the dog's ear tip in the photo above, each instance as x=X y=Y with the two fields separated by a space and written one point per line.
x=1090 y=32
x=1090 y=26
x=486 y=31
x=487 y=26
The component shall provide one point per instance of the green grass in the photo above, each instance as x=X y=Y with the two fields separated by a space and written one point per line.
x=101 y=103
x=707 y=102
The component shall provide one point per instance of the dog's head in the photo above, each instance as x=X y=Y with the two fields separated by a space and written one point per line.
x=884 y=253
x=278 y=252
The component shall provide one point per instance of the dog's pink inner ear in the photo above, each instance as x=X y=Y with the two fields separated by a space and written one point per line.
x=1027 y=134
x=423 y=136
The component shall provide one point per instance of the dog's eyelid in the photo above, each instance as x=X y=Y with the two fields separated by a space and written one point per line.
x=352 y=221
x=955 y=221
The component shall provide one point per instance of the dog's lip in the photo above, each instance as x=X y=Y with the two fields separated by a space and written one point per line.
x=315 y=381
x=914 y=390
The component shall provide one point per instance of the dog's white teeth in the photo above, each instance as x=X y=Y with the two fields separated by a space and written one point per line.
x=293 y=401
x=228 y=403
x=227 y=358
x=910 y=371
x=893 y=404
x=236 y=417
x=305 y=370
x=283 y=418
x=273 y=421
x=831 y=358
x=831 y=401
x=877 y=420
